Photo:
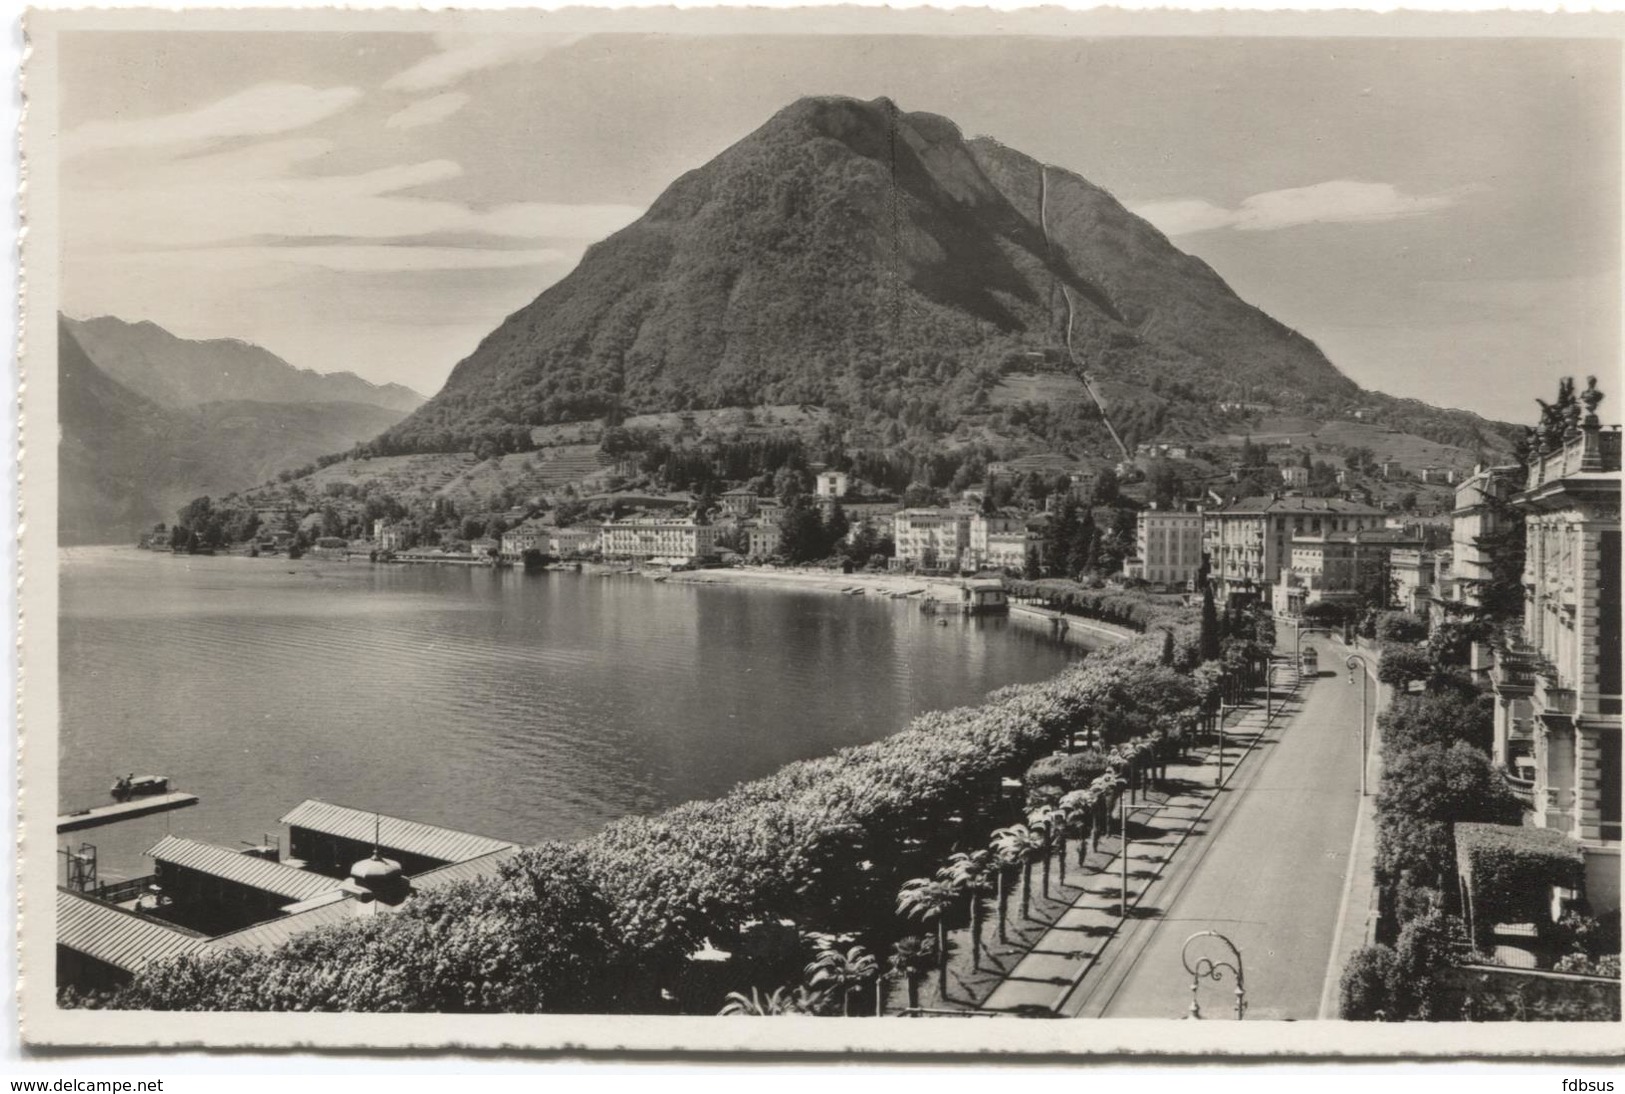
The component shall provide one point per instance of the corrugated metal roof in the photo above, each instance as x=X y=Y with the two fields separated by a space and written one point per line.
x=271 y=934
x=394 y=834
x=255 y=873
x=120 y=938
x=467 y=870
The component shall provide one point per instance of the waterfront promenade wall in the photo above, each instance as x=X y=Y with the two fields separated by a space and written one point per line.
x=1089 y=633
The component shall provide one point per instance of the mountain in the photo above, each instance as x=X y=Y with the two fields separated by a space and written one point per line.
x=178 y=372
x=878 y=263
x=125 y=461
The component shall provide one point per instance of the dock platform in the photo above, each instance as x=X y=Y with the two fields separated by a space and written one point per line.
x=136 y=807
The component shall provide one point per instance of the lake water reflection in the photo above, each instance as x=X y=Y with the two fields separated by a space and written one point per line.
x=525 y=706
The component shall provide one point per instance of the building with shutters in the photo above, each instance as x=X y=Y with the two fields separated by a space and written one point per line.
x=1167 y=546
x=1249 y=541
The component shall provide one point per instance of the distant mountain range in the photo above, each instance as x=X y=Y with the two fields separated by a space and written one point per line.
x=179 y=372
x=127 y=459
x=853 y=256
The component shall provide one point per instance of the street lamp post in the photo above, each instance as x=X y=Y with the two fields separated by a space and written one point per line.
x=1297 y=643
x=1122 y=857
x=1269 y=689
x=1354 y=659
x=1219 y=779
x=1214 y=970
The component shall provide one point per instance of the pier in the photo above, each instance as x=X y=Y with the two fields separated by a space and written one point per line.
x=136 y=807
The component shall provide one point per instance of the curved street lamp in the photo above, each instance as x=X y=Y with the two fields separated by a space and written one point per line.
x=1206 y=967
x=1354 y=659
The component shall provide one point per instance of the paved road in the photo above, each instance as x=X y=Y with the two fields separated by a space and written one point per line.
x=1271 y=878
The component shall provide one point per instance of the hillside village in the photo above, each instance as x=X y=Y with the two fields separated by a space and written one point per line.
x=775 y=485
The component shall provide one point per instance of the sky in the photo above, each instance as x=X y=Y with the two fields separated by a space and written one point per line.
x=1442 y=216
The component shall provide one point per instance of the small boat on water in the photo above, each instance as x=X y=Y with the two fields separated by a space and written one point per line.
x=137 y=786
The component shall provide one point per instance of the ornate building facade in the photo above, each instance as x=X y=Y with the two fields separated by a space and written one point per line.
x=1558 y=691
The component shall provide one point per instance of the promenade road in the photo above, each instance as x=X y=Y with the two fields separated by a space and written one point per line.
x=1271 y=877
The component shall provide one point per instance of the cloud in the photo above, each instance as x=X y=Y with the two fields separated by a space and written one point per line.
x=262 y=110
x=1185 y=217
x=460 y=55
x=345 y=257
x=1340 y=201
x=269 y=195
x=427 y=111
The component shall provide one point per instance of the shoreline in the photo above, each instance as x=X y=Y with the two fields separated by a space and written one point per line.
x=892 y=586
x=1076 y=629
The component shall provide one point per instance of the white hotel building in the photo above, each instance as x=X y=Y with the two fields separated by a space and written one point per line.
x=659 y=539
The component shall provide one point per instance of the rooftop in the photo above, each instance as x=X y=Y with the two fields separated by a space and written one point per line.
x=467 y=870
x=1269 y=504
x=271 y=934
x=122 y=939
x=393 y=833
x=246 y=870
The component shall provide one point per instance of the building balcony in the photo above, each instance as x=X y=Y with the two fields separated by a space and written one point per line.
x=1551 y=697
x=1516 y=669
x=1522 y=789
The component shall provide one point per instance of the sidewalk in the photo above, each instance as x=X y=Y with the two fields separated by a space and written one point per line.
x=1357 y=923
x=1069 y=949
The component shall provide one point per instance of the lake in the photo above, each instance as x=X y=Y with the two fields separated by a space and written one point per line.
x=525 y=706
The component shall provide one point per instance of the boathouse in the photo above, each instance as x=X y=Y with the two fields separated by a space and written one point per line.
x=983 y=597
x=217 y=889
x=329 y=839
x=100 y=946
x=207 y=898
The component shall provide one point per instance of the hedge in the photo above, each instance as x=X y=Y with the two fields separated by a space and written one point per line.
x=1126 y=609
x=1507 y=872
x=1512 y=995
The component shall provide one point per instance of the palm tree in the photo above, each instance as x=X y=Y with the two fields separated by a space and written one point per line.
x=1002 y=861
x=781 y=1002
x=928 y=899
x=1021 y=844
x=909 y=958
x=1047 y=821
x=840 y=972
x=967 y=872
x=1078 y=807
x=1066 y=824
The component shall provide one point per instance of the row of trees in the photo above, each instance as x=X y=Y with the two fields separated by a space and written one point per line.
x=608 y=924
x=1437 y=773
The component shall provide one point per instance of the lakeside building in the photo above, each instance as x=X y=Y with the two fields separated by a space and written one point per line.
x=1000 y=541
x=1558 y=691
x=574 y=542
x=1249 y=541
x=1167 y=546
x=931 y=539
x=679 y=541
x=762 y=538
x=830 y=484
x=532 y=535
x=395 y=537
x=344 y=864
x=740 y=502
